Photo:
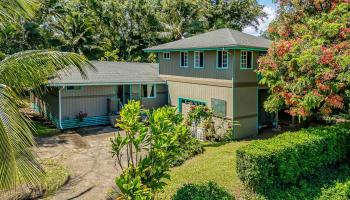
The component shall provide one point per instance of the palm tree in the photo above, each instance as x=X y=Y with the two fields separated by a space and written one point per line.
x=18 y=73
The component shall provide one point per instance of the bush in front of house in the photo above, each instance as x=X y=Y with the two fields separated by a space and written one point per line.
x=150 y=147
x=329 y=183
x=340 y=191
x=207 y=191
x=290 y=158
x=214 y=128
x=190 y=147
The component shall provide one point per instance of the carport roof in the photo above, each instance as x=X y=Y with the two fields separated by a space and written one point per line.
x=111 y=73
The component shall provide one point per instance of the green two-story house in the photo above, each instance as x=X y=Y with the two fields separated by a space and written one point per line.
x=217 y=69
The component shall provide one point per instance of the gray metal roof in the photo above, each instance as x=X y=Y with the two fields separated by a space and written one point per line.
x=215 y=39
x=111 y=73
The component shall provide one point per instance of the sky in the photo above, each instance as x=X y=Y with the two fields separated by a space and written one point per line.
x=270 y=9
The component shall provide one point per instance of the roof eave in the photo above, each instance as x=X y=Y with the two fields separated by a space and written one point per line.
x=149 y=50
x=103 y=83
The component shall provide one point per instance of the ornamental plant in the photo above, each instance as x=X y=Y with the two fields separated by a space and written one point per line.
x=307 y=67
x=205 y=191
x=81 y=115
x=198 y=113
x=149 y=147
x=292 y=159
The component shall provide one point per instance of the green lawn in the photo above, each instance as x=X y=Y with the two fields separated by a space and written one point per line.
x=44 y=130
x=217 y=163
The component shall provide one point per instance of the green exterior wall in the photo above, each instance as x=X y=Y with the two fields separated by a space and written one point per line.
x=241 y=95
x=172 y=66
x=93 y=101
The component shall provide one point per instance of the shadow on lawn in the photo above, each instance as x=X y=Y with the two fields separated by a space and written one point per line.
x=324 y=181
x=215 y=144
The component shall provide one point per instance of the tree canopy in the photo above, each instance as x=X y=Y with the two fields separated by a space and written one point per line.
x=119 y=29
x=19 y=72
x=307 y=66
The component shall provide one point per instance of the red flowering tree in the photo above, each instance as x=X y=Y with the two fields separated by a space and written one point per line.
x=307 y=68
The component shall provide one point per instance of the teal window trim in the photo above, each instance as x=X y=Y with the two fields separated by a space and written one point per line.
x=181 y=99
x=184 y=66
x=222 y=59
x=198 y=56
x=246 y=62
x=150 y=97
x=166 y=55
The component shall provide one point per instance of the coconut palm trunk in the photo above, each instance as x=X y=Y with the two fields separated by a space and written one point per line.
x=18 y=73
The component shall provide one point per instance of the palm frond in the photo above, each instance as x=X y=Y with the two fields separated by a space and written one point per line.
x=32 y=69
x=18 y=161
x=12 y=10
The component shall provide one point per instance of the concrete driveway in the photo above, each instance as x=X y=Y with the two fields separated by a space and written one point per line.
x=86 y=153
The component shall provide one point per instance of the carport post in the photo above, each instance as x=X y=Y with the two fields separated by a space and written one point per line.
x=60 y=108
x=179 y=104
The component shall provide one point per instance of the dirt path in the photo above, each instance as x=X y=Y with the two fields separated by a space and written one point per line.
x=88 y=157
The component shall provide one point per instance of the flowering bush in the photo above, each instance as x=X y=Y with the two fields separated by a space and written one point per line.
x=307 y=68
x=196 y=113
x=81 y=115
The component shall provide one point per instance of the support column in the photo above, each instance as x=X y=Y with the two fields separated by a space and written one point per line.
x=60 y=108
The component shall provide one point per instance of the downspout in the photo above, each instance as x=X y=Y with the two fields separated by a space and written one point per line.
x=60 y=108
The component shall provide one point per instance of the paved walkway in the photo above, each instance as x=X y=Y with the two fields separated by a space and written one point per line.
x=87 y=154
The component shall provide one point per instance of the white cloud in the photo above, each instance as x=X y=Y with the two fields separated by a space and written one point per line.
x=264 y=24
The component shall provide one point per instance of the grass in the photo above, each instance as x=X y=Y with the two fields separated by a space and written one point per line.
x=56 y=176
x=44 y=130
x=217 y=163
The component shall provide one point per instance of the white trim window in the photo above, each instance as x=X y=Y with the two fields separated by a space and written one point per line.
x=183 y=59
x=222 y=59
x=166 y=55
x=198 y=59
x=148 y=91
x=246 y=60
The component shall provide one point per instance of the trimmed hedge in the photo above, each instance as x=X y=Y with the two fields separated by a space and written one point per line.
x=340 y=191
x=207 y=191
x=290 y=158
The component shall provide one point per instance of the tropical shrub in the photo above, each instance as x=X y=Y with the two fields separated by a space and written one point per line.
x=307 y=66
x=150 y=148
x=329 y=183
x=215 y=129
x=190 y=147
x=20 y=72
x=340 y=191
x=290 y=158
x=207 y=191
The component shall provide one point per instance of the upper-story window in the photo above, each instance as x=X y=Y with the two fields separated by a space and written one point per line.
x=166 y=55
x=246 y=60
x=198 y=59
x=183 y=59
x=222 y=60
